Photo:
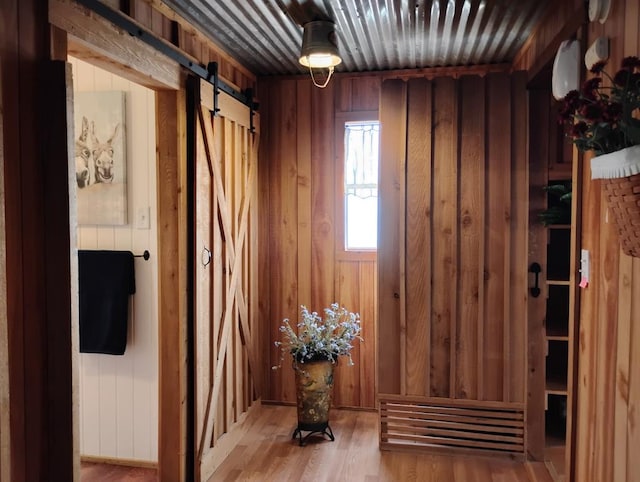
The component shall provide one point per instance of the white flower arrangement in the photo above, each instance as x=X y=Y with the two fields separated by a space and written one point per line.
x=320 y=338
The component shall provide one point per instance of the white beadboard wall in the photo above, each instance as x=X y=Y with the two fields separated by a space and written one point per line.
x=119 y=394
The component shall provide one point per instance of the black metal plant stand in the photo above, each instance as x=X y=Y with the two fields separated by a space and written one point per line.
x=320 y=428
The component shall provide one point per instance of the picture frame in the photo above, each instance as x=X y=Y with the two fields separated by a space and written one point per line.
x=100 y=158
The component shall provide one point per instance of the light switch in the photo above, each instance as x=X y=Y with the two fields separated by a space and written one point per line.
x=584 y=268
x=142 y=218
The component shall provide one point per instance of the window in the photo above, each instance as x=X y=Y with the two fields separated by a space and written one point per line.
x=361 y=146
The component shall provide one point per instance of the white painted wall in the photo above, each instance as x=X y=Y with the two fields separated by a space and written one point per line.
x=119 y=394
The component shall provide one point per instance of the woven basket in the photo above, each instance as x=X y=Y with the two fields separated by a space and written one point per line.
x=623 y=195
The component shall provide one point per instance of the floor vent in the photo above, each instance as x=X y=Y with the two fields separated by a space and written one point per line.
x=449 y=424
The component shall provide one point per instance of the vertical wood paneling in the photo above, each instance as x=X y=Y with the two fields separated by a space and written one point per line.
x=585 y=439
x=119 y=400
x=365 y=94
x=606 y=348
x=418 y=272
x=632 y=444
x=303 y=262
x=465 y=223
x=393 y=120
x=469 y=369
x=626 y=437
x=283 y=247
x=541 y=47
x=347 y=378
x=621 y=401
x=322 y=197
x=602 y=360
x=444 y=236
x=516 y=316
x=303 y=140
x=608 y=339
x=537 y=243
x=172 y=280
x=497 y=198
x=367 y=362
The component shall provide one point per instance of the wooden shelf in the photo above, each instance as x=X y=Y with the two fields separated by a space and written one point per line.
x=556 y=387
x=556 y=369
x=559 y=226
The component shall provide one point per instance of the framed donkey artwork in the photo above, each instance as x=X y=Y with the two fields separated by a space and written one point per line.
x=100 y=157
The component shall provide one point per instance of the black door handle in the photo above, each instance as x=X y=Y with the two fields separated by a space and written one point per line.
x=535 y=268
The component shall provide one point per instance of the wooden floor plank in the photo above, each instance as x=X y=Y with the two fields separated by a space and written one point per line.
x=268 y=453
x=98 y=472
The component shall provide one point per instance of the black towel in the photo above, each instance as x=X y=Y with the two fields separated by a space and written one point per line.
x=105 y=279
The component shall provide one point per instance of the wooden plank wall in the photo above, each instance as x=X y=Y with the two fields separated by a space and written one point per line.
x=609 y=368
x=301 y=258
x=558 y=24
x=453 y=247
x=607 y=431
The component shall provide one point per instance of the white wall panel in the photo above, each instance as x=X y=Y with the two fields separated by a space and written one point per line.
x=119 y=394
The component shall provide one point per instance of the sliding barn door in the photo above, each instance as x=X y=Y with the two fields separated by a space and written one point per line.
x=452 y=263
x=225 y=276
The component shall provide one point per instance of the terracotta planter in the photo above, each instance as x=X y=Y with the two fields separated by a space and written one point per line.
x=620 y=174
x=314 y=388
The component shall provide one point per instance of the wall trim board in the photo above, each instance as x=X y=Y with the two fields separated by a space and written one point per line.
x=405 y=74
x=5 y=388
x=172 y=285
x=144 y=464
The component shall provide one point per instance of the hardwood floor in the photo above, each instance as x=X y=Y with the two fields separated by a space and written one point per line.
x=94 y=472
x=268 y=454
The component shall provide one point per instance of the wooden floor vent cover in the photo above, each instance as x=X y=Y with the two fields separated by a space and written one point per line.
x=452 y=425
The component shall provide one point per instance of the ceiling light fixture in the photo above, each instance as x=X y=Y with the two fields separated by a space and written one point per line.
x=320 y=49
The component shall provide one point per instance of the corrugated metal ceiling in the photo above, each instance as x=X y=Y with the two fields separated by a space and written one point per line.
x=265 y=35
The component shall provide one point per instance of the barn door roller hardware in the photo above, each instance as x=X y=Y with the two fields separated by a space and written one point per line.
x=210 y=73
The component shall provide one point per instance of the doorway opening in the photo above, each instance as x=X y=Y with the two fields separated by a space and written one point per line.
x=554 y=313
x=118 y=394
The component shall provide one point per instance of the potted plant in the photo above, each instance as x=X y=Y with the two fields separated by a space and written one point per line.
x=315 y=348
x=602 y=117
x=559 y=210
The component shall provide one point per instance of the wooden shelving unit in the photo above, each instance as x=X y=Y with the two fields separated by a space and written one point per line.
x=557 y=339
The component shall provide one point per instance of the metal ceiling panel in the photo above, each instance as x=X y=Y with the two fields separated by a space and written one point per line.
x=265 y=35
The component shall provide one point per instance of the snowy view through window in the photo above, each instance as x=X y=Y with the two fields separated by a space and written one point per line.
x=361 y=142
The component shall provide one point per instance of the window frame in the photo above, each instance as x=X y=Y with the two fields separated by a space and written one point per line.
x=341 y=250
